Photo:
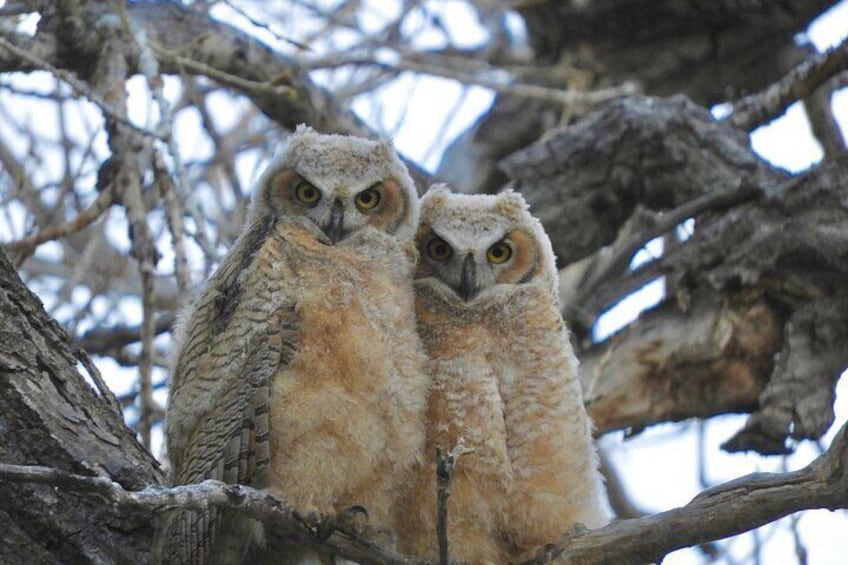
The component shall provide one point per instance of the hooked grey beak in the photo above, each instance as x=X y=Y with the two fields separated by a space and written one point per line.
x=468 y=282
x=335 y=227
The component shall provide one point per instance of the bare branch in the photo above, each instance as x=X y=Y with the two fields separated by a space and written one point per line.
x=25 y=247
x=445 y=467
x=245 y=500
x=723 y=511
x=761 y=107
x=77 y=85
x=104 y=390
x=104 y=340
x=579 y=282
x=479 y=77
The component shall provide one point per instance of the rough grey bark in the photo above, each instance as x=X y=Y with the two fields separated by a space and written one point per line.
x=584 y=181
x=711 y=53
x=757 y=312
x=708 y=51
x=50 y=416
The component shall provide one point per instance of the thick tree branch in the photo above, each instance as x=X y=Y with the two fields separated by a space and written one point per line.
x=249 y=502
x=673 y=364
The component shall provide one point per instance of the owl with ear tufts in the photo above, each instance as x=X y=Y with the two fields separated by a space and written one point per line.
x=298 y=368
x=504 y=379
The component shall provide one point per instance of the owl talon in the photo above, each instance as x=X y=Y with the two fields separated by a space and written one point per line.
x=313 y=518
x=354 y=519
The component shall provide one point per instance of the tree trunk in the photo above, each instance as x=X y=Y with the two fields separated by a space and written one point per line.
x=50 y=415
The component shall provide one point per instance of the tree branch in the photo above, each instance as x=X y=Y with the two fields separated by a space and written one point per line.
x=723 y=511
x=726 y=510
x=244 y=500
x=761 y=107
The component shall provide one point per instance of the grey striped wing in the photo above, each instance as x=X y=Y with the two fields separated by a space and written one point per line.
x=240 y=333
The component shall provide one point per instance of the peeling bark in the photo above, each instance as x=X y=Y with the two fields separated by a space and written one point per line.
x=672 y=365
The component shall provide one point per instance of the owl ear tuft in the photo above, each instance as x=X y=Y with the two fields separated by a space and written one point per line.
x=511 y=204
x=385 y=149
x=436 y=196
x=303 y=129
x=302 y=135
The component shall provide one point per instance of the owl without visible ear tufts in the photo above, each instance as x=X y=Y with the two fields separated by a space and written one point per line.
x=298 y=368
x=504 y=378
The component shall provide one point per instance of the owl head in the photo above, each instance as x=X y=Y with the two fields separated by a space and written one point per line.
x=477 y=246
x=339 y=185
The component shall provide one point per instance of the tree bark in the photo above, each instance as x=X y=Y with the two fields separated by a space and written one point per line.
x=50 y=416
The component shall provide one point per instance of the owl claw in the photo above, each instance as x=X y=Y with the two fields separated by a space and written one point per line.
x=354 y=519
x=314 y=519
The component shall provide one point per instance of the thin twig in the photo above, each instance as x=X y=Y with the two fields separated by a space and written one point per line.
x=262 y=25
x=105 y=392
x=174 y=218
x=77 y=85
x=445 y=467
x=27 y=245
x=248 y=86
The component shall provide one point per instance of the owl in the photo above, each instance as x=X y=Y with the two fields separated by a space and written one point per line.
x=504 y=379
x=298 y=368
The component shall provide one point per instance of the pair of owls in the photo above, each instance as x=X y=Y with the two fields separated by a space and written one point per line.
x=339 y=343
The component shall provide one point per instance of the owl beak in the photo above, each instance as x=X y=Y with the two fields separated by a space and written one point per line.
x=468 y=281
x=335 y=227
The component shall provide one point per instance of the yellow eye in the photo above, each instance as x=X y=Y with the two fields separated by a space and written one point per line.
x=499 y=253
x=306 y=193
x=439 y=250
x=367 y=199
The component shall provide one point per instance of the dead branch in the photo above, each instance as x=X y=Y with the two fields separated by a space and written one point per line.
x=726 y=510
x=243 y=500
x=723 y=511
x=102 y=341
x=761 y=107
x=25 y=247
x=580 y=281
x=445 y=467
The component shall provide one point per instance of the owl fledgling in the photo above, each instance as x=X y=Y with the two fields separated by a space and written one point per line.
x=298 y=367
x=504 y=378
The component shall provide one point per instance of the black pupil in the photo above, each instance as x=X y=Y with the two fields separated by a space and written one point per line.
x=498 y=252
x=441 y=249
x=309 y=193
x=366 y=197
